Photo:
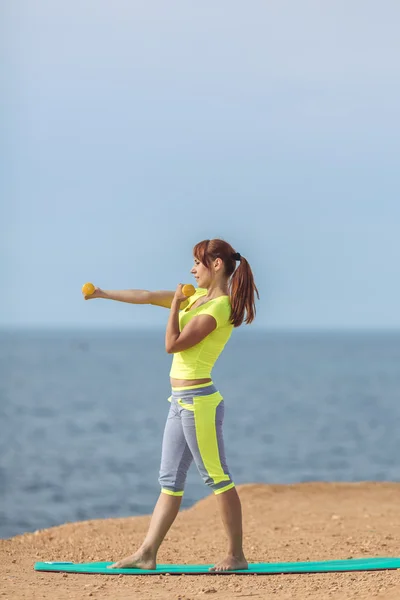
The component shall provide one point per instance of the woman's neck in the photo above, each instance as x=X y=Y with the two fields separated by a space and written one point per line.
x=217 y=289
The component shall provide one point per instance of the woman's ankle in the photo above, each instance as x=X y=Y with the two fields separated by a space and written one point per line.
x=236 y=553
x=148 y=550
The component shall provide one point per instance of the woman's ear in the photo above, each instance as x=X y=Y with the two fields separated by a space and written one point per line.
x=218 y=264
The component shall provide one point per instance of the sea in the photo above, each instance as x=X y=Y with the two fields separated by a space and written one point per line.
x=82 y=415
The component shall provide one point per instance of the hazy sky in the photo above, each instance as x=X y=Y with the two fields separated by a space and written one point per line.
x=132 y=130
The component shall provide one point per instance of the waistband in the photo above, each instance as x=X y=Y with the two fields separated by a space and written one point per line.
x=193 y=387
x=204 y=389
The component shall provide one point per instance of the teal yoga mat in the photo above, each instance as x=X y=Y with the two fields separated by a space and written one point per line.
x=326 y=566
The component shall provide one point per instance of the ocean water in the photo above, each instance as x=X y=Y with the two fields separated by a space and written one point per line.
x=82 y=415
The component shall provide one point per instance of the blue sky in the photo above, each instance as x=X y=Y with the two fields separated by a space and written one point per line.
x=132 y=130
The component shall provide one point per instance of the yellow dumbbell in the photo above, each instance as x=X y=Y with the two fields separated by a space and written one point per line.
x=188 y=290
x=88 y=289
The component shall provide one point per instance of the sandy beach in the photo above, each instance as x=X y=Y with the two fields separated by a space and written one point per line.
x=301 y=522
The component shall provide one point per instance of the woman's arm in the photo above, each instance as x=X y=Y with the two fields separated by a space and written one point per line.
x=193 y=333
x=160 y=298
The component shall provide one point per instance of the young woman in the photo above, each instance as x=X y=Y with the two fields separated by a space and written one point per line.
x=197 y=331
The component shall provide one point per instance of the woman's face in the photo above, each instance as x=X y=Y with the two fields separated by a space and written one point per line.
x=201 y=274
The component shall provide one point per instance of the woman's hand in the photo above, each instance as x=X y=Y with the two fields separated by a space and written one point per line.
x=179 y=295
x=98 y=293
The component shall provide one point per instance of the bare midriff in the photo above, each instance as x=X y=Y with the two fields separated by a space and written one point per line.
x=188 y=382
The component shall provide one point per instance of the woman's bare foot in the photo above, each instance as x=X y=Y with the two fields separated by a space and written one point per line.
x=230 y=563
x=142 y=559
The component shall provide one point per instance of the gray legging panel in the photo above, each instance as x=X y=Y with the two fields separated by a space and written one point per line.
x=193 y=431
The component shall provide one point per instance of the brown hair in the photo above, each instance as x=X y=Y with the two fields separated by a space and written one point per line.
x=241 y=284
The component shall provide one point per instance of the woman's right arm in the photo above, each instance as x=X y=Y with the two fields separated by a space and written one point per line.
x=160 y=298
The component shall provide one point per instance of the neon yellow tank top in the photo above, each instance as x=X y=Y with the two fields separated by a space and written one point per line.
x=198 y=361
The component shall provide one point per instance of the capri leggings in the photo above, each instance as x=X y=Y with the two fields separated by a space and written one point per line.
x=193 y=431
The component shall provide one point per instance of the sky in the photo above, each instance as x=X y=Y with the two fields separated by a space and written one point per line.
x=132 y=130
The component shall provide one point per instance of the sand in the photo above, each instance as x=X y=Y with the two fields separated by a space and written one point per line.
x=312 y=521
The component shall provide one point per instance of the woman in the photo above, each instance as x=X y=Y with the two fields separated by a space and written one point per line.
x=197 y=331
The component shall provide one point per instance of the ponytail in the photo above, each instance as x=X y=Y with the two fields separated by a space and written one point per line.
x=242 y=289
x=242 y=294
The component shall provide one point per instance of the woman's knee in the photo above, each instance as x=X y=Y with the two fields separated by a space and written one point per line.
x=173 y=478
x=220 y=487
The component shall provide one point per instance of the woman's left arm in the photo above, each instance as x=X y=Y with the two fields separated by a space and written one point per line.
x=193 y=333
